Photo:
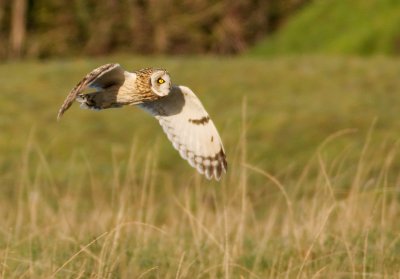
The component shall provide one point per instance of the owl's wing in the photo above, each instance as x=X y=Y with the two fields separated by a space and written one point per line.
x=100 y=78
x=191 y=131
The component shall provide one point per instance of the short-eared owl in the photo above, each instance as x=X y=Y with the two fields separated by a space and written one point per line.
x=180 y=113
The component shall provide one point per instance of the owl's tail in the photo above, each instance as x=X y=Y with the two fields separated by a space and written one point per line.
x=97 y=100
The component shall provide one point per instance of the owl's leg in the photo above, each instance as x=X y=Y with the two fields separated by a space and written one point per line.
x=87 y=101
x=97 y=100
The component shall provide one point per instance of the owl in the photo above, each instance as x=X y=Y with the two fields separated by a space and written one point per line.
x=178 y=110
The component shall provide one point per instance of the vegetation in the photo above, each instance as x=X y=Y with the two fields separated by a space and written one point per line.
x=349 y=27
x=45 y=28
x=53 y=28
x=312 y=188
x=312 y=142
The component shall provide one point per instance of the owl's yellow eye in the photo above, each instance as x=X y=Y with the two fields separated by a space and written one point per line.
x=160 y=80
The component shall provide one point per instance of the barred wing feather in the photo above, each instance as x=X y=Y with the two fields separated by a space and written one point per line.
x=191 y=131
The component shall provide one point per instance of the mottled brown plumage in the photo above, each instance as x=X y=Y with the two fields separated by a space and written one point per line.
x=93 y=78
x=143 y=80
x=115 y=86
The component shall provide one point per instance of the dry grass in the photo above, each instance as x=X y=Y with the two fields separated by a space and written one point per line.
x=335 y=216
x=136 y=226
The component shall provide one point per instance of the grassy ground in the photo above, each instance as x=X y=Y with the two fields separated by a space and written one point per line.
x=312 y=188
x=330 y=26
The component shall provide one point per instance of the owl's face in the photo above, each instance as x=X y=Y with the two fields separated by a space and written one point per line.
x=160 y=82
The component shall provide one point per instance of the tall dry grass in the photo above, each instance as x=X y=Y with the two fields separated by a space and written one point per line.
x=336 y=218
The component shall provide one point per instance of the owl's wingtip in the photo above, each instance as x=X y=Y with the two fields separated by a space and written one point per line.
x=59 y=115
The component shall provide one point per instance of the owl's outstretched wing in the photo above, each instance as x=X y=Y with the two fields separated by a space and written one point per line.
x=100 y=78
x=191 y=131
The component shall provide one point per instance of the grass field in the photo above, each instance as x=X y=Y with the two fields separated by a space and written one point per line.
x=312 y=189
x=338 y=27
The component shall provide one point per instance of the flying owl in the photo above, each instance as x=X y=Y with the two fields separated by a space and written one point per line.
x=178 y=110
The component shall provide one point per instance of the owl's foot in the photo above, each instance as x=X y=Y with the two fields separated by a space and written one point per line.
x=86 y=102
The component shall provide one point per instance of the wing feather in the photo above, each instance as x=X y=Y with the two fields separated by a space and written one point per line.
x=100 y=78
x=191 y=131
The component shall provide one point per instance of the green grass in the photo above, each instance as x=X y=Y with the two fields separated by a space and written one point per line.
x=345 y=27
x=312 y=187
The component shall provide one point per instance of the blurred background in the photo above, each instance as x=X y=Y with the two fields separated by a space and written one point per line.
x=305 y=95
x=50 y=28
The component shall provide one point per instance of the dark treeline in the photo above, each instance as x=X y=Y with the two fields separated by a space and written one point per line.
x=46 y=28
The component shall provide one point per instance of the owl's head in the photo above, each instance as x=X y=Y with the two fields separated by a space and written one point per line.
x=160 y=82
